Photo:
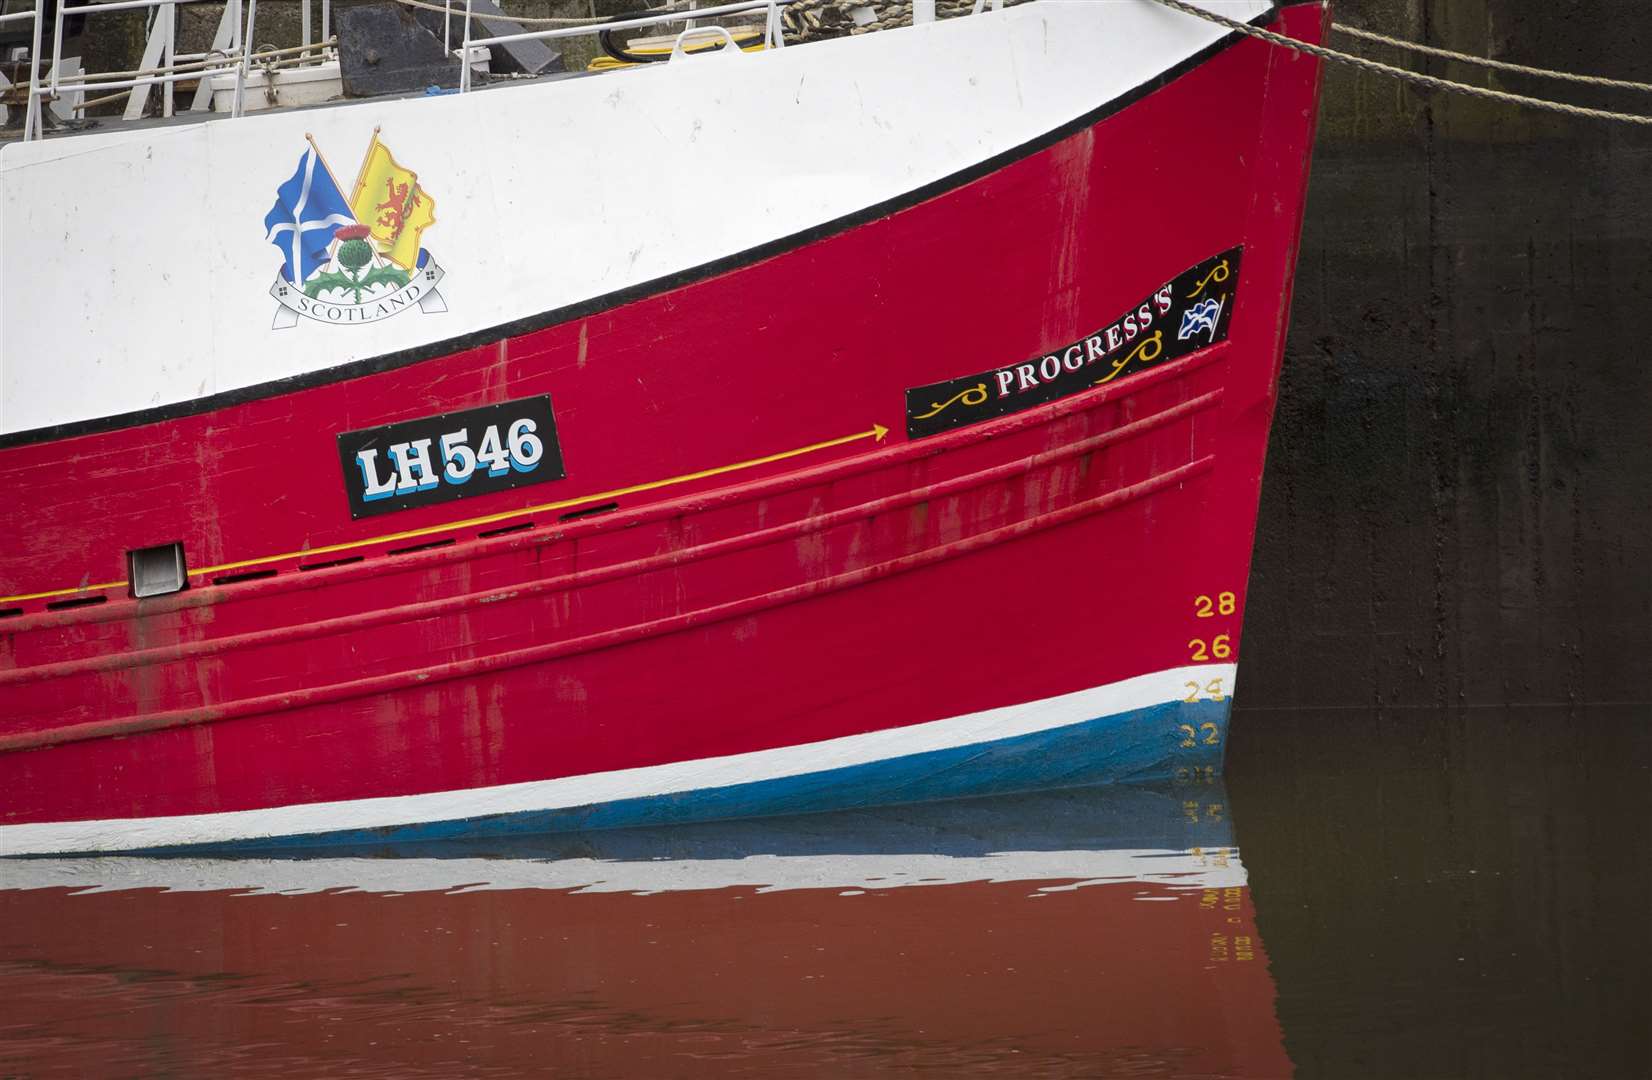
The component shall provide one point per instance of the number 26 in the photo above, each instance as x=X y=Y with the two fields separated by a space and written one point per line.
x=1220 y=647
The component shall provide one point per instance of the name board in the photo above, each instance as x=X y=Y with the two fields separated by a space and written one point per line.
x=1189 y=312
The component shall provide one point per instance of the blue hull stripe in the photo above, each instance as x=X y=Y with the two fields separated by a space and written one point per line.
x=1138 y=745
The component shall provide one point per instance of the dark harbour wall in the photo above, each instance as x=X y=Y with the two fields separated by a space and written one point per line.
x=1457 y=508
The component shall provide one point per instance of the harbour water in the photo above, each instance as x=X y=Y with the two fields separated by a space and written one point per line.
x=1412 y=893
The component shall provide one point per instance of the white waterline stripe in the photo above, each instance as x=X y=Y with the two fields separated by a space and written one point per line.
x=130 y=834
x=1210 y=868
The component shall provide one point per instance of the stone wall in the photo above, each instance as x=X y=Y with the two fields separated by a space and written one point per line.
x=1457 y=507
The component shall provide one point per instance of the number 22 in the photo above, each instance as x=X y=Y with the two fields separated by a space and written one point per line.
x=1190 y=737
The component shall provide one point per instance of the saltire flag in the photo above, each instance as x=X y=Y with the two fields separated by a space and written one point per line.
x=388 y=200
x=1201 y=316
x=309 y=208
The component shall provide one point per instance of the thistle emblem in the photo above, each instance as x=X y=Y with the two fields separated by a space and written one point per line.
x=360 y=268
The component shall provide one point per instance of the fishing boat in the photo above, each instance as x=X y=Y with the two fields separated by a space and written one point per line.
x=871 y=420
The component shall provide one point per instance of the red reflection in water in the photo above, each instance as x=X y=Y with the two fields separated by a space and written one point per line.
x=1016 y=978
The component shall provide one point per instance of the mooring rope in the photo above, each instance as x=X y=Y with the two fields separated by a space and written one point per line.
x=1403 y=74
x=1486 y=61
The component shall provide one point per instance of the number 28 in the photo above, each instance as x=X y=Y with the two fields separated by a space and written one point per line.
x=1224 y=604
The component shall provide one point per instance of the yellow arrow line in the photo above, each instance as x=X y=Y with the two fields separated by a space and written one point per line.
x=876 y=433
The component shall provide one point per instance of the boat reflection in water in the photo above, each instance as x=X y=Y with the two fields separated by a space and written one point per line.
x=1081 y=932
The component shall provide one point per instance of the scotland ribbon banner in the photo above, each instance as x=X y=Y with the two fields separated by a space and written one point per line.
x=355 y=260
x=321 y=306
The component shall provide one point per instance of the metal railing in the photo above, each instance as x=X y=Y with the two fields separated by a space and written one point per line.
x=772 y=36
x=239 y=57
x=31 y=105
x=169 y=72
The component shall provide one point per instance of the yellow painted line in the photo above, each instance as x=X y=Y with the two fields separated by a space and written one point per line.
x=64 y=592
x=876 y=433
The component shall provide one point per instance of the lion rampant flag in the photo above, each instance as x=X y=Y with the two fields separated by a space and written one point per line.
x=389 y=201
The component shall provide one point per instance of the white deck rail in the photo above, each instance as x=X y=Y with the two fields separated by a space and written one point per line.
x=31 y=107
x=238 y=56
x=772 y=36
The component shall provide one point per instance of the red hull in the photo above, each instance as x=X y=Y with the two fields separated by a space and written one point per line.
x=765 y=548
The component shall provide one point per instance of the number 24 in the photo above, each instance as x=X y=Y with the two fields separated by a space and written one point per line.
x=1213 y=688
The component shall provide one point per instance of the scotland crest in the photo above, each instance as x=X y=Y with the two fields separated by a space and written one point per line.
x=358 y=259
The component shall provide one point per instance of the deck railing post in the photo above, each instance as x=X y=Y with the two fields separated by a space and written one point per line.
x=31 y=110
x=242 y=34
x=774 y=31
x=464 y=60
x=154 y=50
x=57 y=47
x=168 y=54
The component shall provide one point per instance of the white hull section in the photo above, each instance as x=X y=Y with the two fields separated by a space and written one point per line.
x=135 y=270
